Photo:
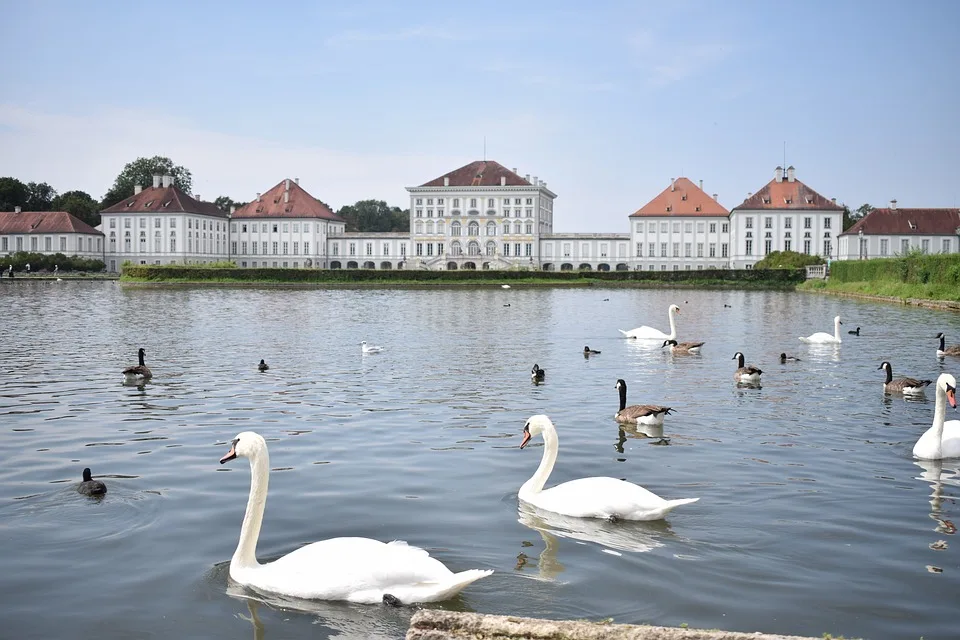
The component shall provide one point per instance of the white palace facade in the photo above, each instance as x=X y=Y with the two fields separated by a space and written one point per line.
x=485 y=216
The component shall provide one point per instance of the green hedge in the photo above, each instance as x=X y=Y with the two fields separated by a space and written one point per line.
x=159 y=273
x=43 y=262
x=913 y=268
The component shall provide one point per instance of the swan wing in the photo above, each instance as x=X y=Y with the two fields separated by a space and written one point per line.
x=820 y=336
x=645 y=333
x=604 y=498
x=926 y=447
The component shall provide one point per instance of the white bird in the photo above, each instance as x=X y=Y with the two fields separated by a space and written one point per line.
x=352 y=569
x=369 y=348
x=587 y=497
x=649 y=333
x=504 y=286
x=942 y=440
x=822 y=337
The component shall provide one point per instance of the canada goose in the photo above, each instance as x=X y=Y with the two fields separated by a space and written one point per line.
x=138 y=372
x=537 y=374
x=822 y=337
x=901 y=385
x=587 y=351
x=746 y=374
x=952 y=350
x=649 y=333
x=91 y=487
x=645 y=414
x=785 y=358
x=263 y=366
x=683 y=347
x=369 y=348
x=855 y=332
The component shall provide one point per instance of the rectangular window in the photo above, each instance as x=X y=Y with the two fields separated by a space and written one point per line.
x=724 y=250
x=639 y=249
x=419 y=248
x=429 y=248
x=306 y=248
x=924 y=245
x=263 y=229
x=713 y=227
x=286 y=247
x=3 y=244
x=306 y=228
x=516 y=201
x=946 y=246
x=712 y=248
x=296 y=248
x=905 y=246
x=806 y=247
x=826 y=223
x=663 y=227
x=663 y=249
x=429 y=213
x=275 y=247
x=143 y=223
x=749 y=250
x=529 y=228
x=243 y=228
x=369 y=248
x=748 y=223
x=48 y=243
x=126 y=223
x=528 y=249
x=336 y=248
x=63 y=243
x=676 y=227
x=353 y=248
x=113 y=223
x=686 y=250
x=807 y=223
x=688 y=227
x=786 y=244
x=768 y=223
x=651 y=227
x=296 y=227
x=827 y=248
x=676 y=249
x=652 y=249
x=243 y=248
x=725 y=227
x=386 y=248
x=767 y=246
x=699 y=249
x=456 y=202
x=263 y=245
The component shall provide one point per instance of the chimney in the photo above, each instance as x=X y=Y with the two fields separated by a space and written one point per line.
x=544 y=184
x=137 y=189
x=527 y=177
x=286 y=184
x=778 y=174
x=673 y=184
x=749 y=194
x=893 y=205
x=258 y=197
x=790 y=173
x=156 y=180
x=196 y=197
x=286 y=195
x=701 y=185
x=536 y=181
x=446 y=181
x=714 y=196
x=297 y=180
x=16 y=209
x=833 y=200
x=514 y=170
x=167 y=181
x=503 y=181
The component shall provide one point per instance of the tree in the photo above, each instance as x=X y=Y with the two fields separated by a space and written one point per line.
x=225 y=202
x=80 y=204
x=13 y=193
x=851 y=218
x=374 y=215
x=40 y=196
x=141 y=171
x=787 y=260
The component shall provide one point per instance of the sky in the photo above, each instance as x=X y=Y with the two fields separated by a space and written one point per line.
x=606 y=101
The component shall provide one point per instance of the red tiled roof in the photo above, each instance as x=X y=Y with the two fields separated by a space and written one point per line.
x=937 y=222
x=482 y=173
x=164 y=200
x=788 y=195
x=299 y=204
x=43 y=222
x=681 y=199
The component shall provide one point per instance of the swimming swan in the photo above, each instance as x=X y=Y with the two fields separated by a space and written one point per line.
x=587 y=497
x=139 y=372
x=369 y=348
x=822 y=337
x=649 y=333
x=942 y=440
x=353 y=569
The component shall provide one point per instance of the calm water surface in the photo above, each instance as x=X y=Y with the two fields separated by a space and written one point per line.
x=812 y=517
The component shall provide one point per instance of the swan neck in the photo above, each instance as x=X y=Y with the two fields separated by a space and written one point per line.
x=246 y=553
x=939 y=416
x=836 y=330
x=673 y=324
x=623 y=398
x=550 y=445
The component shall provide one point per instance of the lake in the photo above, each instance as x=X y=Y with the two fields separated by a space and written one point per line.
x=813 y=516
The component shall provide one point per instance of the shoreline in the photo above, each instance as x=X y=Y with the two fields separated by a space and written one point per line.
x=943 y=305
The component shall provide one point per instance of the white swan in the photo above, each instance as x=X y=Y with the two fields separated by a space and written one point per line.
x=587 y=497
x=942 y=440
x=353 y=569
x=369 y=348
x=822 y=337
x=649 y=333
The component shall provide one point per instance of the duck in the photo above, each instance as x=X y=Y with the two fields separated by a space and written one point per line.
x=727 y=306
x=139 y=372
x=909 y=386
x=91 y=487
x=855 y=332
x=369 y=348
x=952 y=350
x=361 y=570
x=640 y=414
x=649 y=333
x=537 y=374
x=822 y=337
x=942 y=439
x=587 y=351
x=748 y=374
x=263 y=366
x=785 y=358
x=595 y=497
x=683 y=347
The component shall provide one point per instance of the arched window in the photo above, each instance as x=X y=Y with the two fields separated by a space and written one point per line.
x=491 y=248
x=474 y=228
x=473 y=248
x=113 y=241
x=441 y=227
x=455 y=229
x=429 y=227
x=418 y=227
x=506 y=228
x=456 y=249
x=491 y=228
x=516 y=227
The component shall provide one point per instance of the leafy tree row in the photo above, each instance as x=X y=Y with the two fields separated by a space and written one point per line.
x=43 y=262
x=375 y=215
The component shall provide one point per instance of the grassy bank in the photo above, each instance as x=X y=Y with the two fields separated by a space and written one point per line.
x=911 y=276
x=181 y=274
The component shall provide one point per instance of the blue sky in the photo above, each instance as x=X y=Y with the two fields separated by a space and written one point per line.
x=606 y=103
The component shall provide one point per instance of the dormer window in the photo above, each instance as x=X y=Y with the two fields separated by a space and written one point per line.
x=765 y=200
x=787 y=201
x=684 y=197
x=809 y=200
x=912 y=225
x=148 y=204
x=669 y=208
x=698 y=207
x=167 y=203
